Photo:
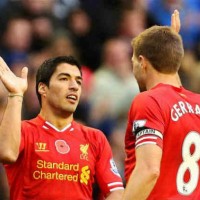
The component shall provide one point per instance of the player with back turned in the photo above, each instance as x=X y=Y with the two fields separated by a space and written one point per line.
x=163 y=132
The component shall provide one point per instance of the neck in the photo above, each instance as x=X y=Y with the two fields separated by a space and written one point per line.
x=59 y=121
x=170 y=79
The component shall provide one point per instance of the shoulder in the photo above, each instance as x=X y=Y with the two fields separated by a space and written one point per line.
x=148 y=102
x=89 y=131
x=32 y=123
x=155 y=94
x=144 y=97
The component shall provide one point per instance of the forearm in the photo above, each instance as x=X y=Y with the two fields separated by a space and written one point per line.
x=10 y=130
x=140 y=185
x=116 y=195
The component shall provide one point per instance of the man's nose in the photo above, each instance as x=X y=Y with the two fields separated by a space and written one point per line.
x=73 y=85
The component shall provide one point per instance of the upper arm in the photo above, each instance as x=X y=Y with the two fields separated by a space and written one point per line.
x=148 y=127
x=147 y=121
x=148 y=157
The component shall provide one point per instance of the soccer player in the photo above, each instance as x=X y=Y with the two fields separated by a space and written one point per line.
x=52 y=156
x=162 y=139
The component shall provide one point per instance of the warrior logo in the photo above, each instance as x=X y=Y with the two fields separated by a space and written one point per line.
x=41 y=147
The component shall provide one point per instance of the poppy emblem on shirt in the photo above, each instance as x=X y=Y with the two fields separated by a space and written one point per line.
x=62 y=146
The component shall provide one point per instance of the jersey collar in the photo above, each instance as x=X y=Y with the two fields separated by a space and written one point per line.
x=48 y=125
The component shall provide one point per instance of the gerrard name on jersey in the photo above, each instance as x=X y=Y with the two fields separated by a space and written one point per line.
x=181 y=108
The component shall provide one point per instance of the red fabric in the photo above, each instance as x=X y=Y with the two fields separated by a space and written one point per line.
x=175 y=114
x=60 y=164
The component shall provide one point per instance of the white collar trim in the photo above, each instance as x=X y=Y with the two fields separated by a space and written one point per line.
x=53 y=127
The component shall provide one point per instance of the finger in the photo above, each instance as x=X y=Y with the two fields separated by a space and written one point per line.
x=173 y=26
x=177 y=20
x=24 y=73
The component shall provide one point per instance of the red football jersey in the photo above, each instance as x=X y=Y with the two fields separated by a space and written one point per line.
x=169 y=117
x=60 y=165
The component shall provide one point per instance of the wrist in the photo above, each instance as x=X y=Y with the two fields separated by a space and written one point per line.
x=11 y=95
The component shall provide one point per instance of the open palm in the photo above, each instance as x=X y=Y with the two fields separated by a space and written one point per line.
x=13 y=83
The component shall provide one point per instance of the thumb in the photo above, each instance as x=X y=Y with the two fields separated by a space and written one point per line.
x=24 y=72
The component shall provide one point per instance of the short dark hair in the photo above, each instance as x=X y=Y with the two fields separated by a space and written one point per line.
x=162 y=46
x=48 y=67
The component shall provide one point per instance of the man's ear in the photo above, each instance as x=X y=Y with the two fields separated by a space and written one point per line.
x=42 y=88
x=143 y=62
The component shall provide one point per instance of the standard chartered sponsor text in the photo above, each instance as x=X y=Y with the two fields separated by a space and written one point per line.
x=42 y=164
x=61 y=174
x=54 y=175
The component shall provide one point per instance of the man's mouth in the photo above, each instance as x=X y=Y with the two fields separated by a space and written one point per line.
x=72 y=98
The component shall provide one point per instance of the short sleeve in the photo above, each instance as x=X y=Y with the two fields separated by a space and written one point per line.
x=107 y=174
x=147 y=121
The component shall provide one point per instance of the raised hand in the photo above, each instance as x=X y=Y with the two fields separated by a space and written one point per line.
x=14 y=84
x=175 y=21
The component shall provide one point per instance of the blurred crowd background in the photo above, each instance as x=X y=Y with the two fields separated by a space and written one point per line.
x=98 y=33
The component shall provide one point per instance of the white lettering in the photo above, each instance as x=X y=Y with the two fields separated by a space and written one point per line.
x=178 y=110
x=190 y=109
x=174 y=115
x=197 y=109
x=181 y=108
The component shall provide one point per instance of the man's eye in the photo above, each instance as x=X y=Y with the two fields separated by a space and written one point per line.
x=63 y=79
x=79 y=82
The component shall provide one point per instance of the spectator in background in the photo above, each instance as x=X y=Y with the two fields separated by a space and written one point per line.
x=42 y=31
x=16 y=40
x=62 y=8
x=85 y=38
x=40 y=16
x=36 y=7
x=190 y=72
x=113 y=86
x=104 y=17
x=133 y=21
x=44 y=24
x=61 y=44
